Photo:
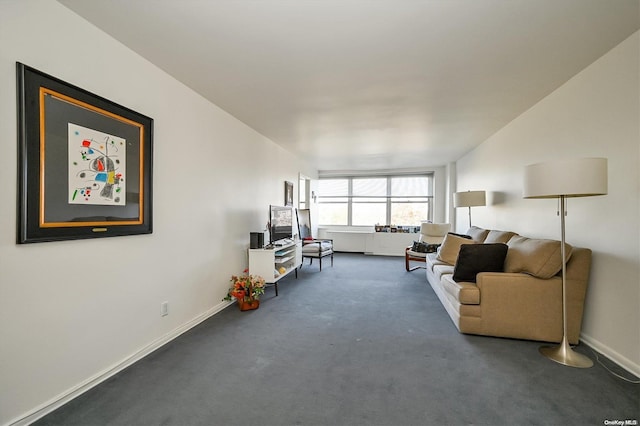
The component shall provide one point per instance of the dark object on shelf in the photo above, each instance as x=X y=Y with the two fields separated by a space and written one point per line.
x=256 y=240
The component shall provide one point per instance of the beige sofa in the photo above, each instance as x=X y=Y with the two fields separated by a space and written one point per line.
x=524 y=301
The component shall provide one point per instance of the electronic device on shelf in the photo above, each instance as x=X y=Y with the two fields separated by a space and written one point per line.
x=281 y=224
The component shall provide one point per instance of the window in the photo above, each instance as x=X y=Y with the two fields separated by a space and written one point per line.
x=335 y=206
x=370 y=200
x=410 y=201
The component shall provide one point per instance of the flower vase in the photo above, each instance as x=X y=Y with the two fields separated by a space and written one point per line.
x=247 y=305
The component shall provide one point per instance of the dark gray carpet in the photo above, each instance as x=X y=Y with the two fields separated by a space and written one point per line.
x=362 y=343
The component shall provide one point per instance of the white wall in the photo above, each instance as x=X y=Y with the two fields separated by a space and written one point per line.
x=595 y=114
x=62 y=327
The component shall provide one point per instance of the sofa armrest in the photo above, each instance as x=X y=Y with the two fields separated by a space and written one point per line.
x=520 y=301
x=521 y=305
x=514 y=293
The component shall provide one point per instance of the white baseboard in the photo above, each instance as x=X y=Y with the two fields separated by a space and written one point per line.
x=614 y=356
x=91 y=382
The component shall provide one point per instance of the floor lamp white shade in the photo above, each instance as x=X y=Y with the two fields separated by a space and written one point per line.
x=469 y=199
x=582 y=177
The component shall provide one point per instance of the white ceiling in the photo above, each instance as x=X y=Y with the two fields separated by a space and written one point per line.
x=369 y=84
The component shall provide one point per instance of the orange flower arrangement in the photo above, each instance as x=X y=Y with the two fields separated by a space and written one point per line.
x=245 y=287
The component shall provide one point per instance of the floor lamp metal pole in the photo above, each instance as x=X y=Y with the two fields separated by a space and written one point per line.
x=563 y=353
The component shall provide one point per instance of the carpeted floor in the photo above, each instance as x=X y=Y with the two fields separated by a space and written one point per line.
x=362 y=343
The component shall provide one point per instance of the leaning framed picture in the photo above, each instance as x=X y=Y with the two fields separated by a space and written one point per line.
x=84 y=163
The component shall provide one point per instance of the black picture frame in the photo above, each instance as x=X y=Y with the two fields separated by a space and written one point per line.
x=288 y=193
x=52 y=116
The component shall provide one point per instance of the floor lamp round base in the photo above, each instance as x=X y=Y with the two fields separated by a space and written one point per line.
x=563 y=354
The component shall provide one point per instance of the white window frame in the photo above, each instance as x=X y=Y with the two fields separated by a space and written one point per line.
x=389 y=197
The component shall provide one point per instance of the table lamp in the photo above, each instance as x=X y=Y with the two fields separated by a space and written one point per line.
x=469 y=199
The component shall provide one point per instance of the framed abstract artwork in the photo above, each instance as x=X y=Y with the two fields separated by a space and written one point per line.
x=84 y=163
x=288 y=193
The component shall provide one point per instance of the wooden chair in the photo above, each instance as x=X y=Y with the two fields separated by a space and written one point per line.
x=430 y=233
x=312 y=248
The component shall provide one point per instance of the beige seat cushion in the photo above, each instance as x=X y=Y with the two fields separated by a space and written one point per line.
x=538 y=257
x=464 y=292
x=442 y=269
x=450 y=247
x=432 y=261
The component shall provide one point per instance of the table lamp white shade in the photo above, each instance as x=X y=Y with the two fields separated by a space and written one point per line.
x=582 y=177
x=469 y=199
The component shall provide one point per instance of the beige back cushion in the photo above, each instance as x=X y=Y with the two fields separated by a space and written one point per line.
x=537 y=257
x=450 y=247
x=495 y=236
x=478 y=234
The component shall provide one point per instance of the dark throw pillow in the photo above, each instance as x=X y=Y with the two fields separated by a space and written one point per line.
x=420 y=247
x=432 y=248
x=475 y=258
x=468 y=237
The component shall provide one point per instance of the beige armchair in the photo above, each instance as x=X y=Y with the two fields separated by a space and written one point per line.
x=430 y=233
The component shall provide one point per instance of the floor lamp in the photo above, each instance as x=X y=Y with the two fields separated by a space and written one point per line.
x=582 y=177
x=469 y=199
